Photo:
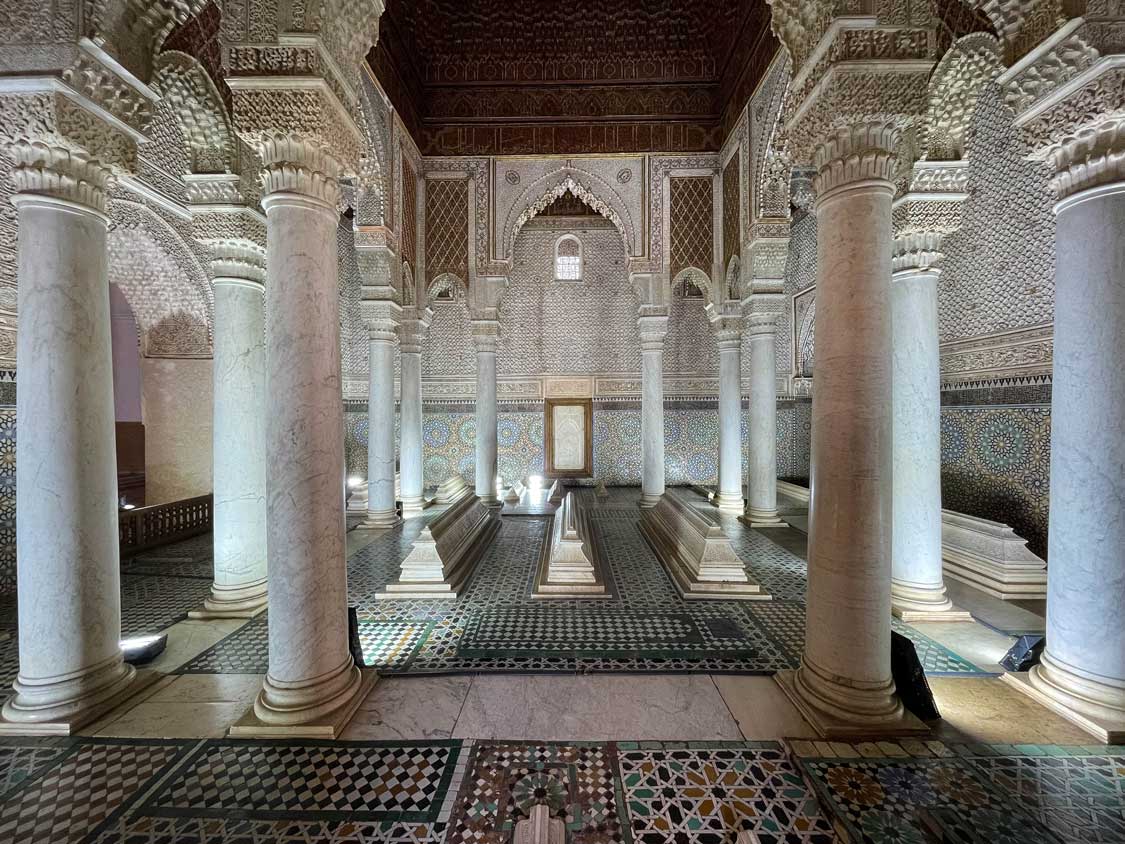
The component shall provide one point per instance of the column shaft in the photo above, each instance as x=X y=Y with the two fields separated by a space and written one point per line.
x=486 y=420
x=1083 y=667
x=652 y=330
x=410 y=429
x=311 y=671
x=68 y=577
x=239 y=449
x=761 y=508
x=381 y=509
x=730 y=422
x=917 y=587
x=844 y=682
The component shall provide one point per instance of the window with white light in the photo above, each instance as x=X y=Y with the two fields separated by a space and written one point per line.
x=568 y=259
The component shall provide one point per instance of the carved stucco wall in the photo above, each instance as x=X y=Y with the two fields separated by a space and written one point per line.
x=999 y=269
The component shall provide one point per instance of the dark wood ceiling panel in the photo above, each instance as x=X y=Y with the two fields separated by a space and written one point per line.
x=478 y=77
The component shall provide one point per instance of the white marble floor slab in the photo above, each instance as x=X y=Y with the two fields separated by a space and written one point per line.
x=981 y=645
x=762 y=710
x=410 y=708
x=596 y=708
x=188 y=639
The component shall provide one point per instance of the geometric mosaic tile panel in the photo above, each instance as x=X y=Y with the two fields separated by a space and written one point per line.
x=20 y=759
x=67 y=801
x=705 y=793
x=504 y=781
x=361 y=781
x=140 y=829
x=1045 y=794
x=645 y=626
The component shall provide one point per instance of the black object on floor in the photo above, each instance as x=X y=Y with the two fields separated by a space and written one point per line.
x=353 y=637
x=1024 y=653
x=910 y=679
x=141 y=649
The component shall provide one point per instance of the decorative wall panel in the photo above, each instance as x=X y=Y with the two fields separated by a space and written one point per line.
x=447 y=228
x=732 y=210
x=999 y=269
x=995 y=463
x=353 y=336
x=409 y=225
x=691 y=217
x=7 y=500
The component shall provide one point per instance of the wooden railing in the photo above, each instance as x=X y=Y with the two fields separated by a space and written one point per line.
x=160 y=524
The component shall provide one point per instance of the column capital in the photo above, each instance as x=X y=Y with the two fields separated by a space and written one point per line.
x=850 y=69
x=726 y=324
x=222 y=210
x=859 y=152
x=238 y=261
x=930 y=210
x=381 y=317
x=767 y=252
x=292 y=164
x=758 y=324
x=1067 y=96
x=63 y=144
x=652 y=329
x=412 y=330
x=485 y=334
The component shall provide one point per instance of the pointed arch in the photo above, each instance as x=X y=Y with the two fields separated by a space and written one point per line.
x=591 y=190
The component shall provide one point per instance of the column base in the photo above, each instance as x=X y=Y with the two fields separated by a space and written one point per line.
x=316 y=710
x=730 y=502
x=1095 y=706
x=762 y=518
x=234 y=602
x=491 y=500
x=413 y=505
x=915 y=602
x=847 y=712
x=649 y=500
x=21 y=719
x=380 y=520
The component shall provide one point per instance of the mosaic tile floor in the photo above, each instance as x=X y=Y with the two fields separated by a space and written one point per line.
x=646 y=627
x=916 y=793
x=244 y=792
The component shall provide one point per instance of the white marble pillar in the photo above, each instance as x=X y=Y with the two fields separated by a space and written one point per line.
x=485 y=338
x=312 y=679
x=410 y=417
x=68 y=575
x=844 y=683
x=1082 y=673
x=728 y=336
x=239 y=438
x=382 y=510
x=652 y=330
x=761 y=483
x=917 y=587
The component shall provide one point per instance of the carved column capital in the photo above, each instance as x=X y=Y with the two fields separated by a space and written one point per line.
x=652 y=329
x=1068 y=93
x=726 y=324
x=758 y=324
x=486 y=335
x=381 y=317
x=292 y=164
x=241 y=261
x=412 y=331
x=927 y=213
x=63 y=146
x=860 y=152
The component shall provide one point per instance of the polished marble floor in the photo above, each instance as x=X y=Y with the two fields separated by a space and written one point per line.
x=640 y=719
x=645 y=627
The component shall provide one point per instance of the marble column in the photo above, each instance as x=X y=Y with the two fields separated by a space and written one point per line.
x=410 y=415
x=1082 y=672
x=844 y=684
x=68 y=574
x=239 y=438
x=313 y=684
x=382 y=510
x=761 y=484
x=486 y=335
x=917 y=587
x=728 y=336
x=652 y=330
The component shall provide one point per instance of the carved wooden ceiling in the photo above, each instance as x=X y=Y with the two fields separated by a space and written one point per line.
x=491 y=77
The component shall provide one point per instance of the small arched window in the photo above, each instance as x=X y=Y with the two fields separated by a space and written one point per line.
x=568 y=258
